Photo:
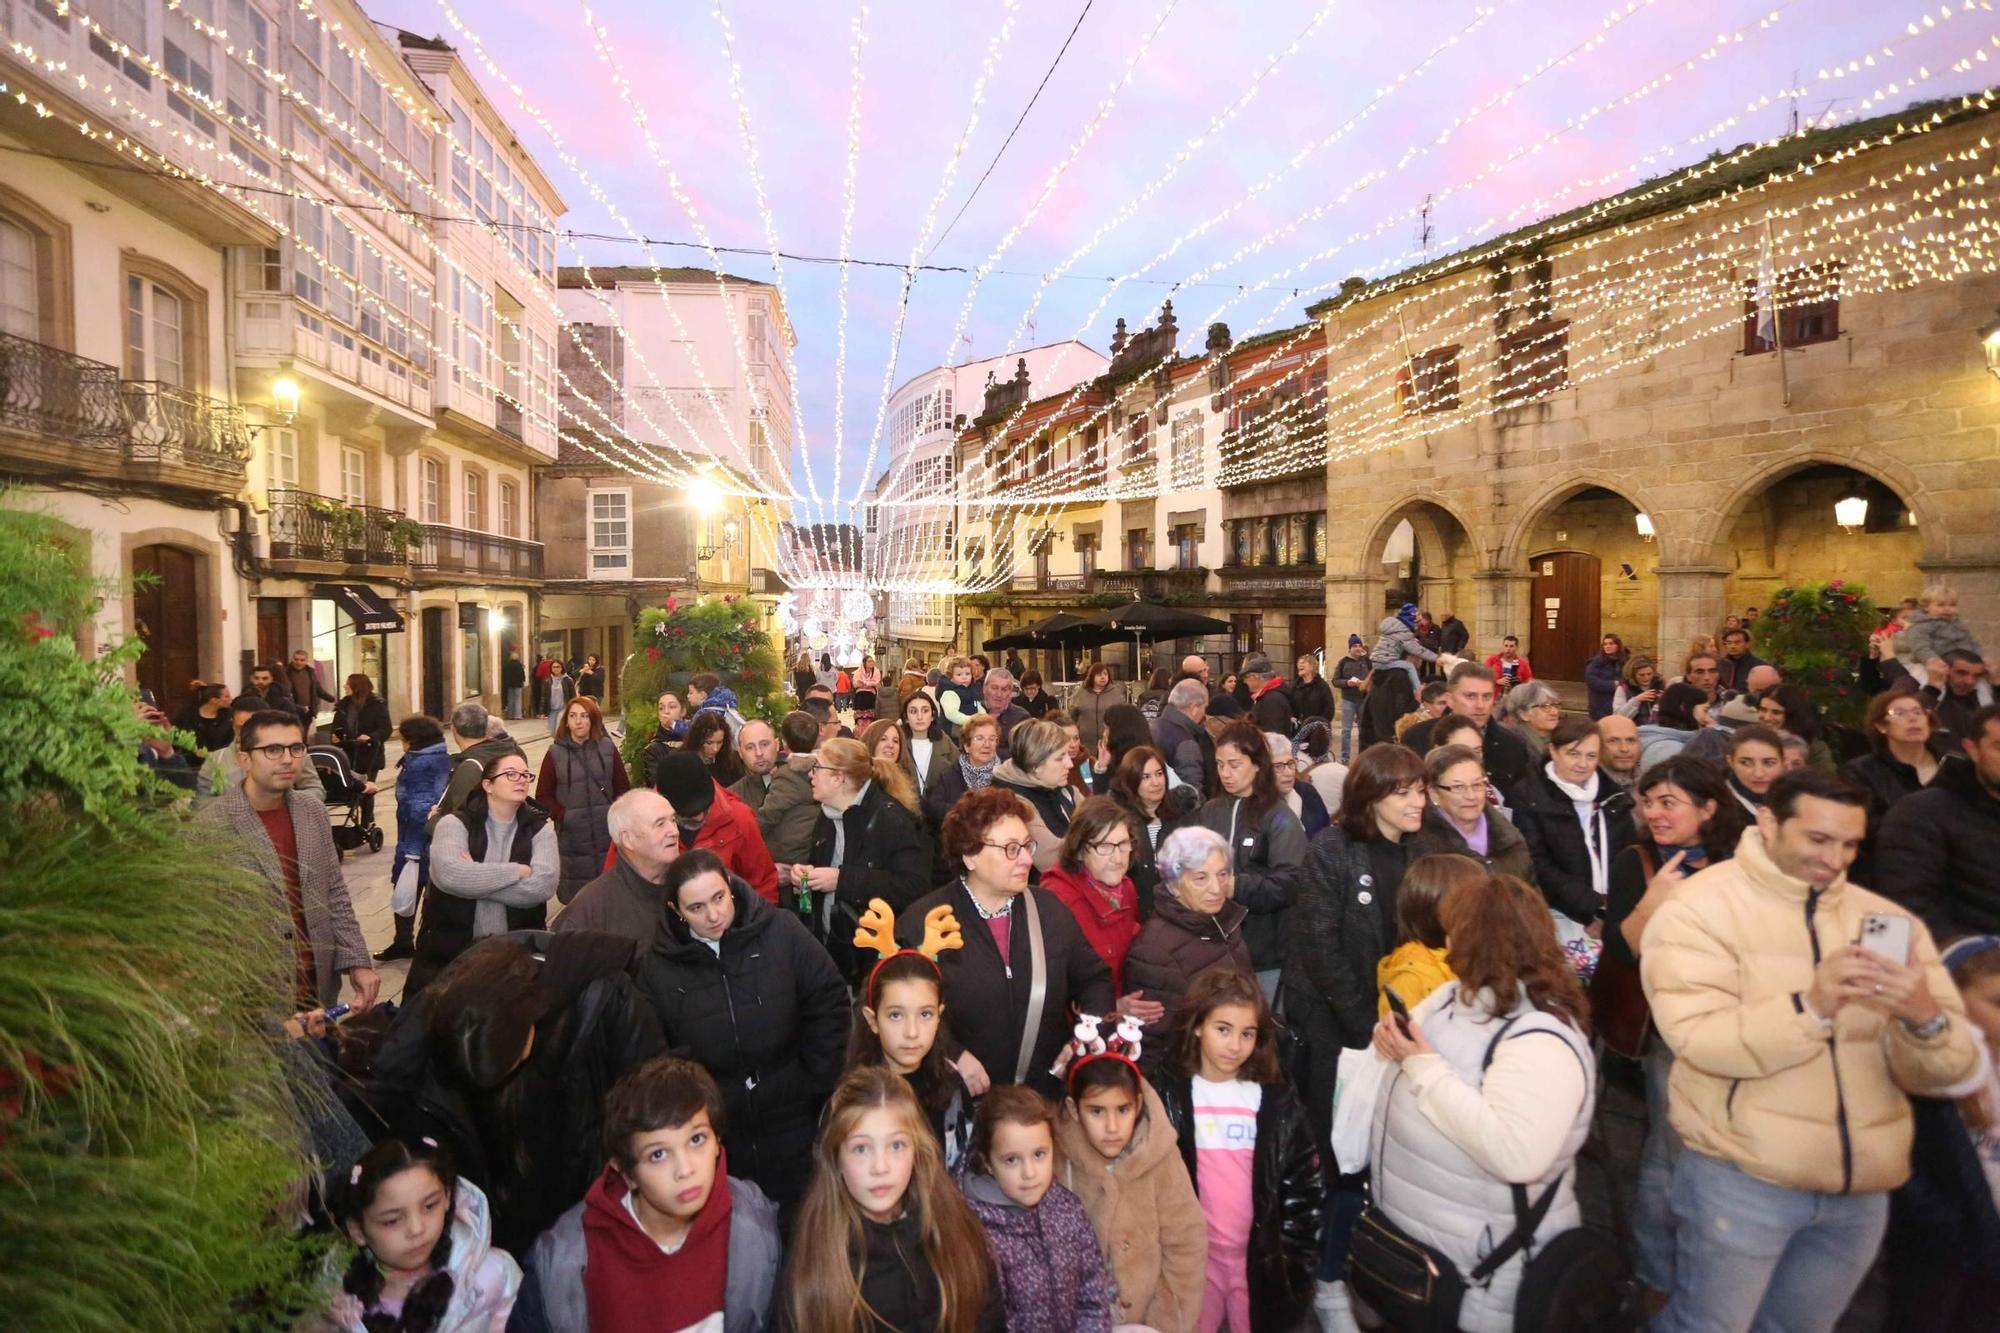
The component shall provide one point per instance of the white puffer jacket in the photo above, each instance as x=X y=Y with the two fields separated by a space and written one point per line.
x=1451 y=1139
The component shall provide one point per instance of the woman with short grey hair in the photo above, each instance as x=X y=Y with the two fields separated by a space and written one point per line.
x=1532 y=709
x=1196 y=923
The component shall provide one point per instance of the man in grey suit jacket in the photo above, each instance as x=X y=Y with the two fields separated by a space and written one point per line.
x=264 y=807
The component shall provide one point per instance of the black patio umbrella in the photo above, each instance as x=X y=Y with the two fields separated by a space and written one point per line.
x=1147 y=622
x=1043 y=633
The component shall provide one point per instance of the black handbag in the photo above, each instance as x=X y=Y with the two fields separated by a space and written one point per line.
x=1415 y=1287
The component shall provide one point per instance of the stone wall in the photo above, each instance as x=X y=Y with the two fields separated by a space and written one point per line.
x=1693 y=432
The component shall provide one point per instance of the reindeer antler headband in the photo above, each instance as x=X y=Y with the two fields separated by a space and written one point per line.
x=877 y=930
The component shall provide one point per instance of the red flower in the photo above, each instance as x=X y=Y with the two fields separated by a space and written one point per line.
x=1849 y=599
x=652 y=654
x=1837 y=584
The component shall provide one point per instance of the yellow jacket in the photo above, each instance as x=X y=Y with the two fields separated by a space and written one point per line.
x=1414 y=969
x=1757 y=1080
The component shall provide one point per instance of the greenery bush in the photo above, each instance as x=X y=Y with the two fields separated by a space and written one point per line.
x=675 y=642
x=1818 y=633
x=149 y=1151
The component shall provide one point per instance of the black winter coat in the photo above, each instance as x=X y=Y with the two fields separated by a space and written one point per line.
x=1269 y=857
x=1548 y=823
x=887 y=855
x=535 y=1143
x=1341 y=928
x=986 y=999
x=1274 y=711
x=1313 y=698
x=1177 y=945
x=372 y=722
x=899 y=1287
x=1390 y=696
x=1601 y=677
x=1938 y=854
x=1286 y=1192
x=1453 y=636
x=1887 y=780
x=768 y=1018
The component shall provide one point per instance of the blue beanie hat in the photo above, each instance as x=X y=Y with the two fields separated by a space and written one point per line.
x=1407 y=613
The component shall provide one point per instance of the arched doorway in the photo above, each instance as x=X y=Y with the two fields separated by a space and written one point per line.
x=166 y=594
x=1590 y=563
x=1790 y=531
x=1421 y=553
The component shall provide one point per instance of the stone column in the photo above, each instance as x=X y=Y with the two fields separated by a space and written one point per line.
x=1501 y=608
x=1691 y=603
x=1353 y=606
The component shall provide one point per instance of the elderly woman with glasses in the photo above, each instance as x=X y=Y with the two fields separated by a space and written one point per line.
x=1196 y=923
x=1093 y=877
x=1026 y=966
x=1532 y=709
x=495 y=864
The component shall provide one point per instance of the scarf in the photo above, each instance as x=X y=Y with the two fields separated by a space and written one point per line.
x=977 y=776
x=1596 y=835
x=839 y=818
x=629 y=1282
x=1749 y=800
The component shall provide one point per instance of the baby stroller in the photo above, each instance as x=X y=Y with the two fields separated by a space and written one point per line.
x=344 y=790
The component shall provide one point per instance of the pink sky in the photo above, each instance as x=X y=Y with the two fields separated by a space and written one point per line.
x=923 y=59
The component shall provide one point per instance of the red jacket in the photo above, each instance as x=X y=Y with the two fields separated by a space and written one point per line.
x=731 y=832
x=1522 y=675
x=1110 y=930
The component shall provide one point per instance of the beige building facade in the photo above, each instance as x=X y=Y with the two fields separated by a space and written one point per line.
x=1522 y=407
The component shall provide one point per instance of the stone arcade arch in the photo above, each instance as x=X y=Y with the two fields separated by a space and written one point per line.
x=1577 y=566
x=1444 y=559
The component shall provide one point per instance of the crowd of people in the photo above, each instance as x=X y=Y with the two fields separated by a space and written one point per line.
x=953 y=1002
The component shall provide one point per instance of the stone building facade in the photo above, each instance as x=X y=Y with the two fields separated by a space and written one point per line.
x=1522 y=406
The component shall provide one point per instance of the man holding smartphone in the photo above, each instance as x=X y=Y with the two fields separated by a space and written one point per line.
x=1795 y=1047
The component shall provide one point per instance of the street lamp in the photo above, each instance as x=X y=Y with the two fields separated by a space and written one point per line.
x=1645 y=527
x=285 y=399
x=1851 y=514
x=1989 y=339
x=704 y=495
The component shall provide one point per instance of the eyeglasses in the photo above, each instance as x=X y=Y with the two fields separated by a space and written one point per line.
x=277 y=752
x=1460 y=788
x=1549 y=703
x=822 y=768
x=509 y=775
x=1011 y=850
x=1106 y=848
x=1904 y=714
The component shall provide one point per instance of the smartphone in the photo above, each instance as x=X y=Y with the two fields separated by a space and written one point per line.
x=335 y=1012
x=1400 y=1010
x=1887 y=936
x=146 y=698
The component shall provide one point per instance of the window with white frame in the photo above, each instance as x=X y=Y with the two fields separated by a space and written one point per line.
x=353 y=475
x=1187 y=451
x=308 y=250
x=250 y=32
x=510 y=509
x=430 y=490
x=119 y=37
x=20 y=285
x=190 y=63
x=155 y=324
x=283 y=444
x=339 y=289
x=611 y=534
x=475 y=500
x=471 y=333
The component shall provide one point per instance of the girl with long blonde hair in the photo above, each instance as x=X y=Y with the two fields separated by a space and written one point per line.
x=884 y=1240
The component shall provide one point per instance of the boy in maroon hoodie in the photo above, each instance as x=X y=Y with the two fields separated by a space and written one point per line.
x=666 y=1239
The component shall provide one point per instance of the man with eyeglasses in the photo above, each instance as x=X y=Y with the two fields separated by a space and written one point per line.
x=222 y=771
x=289 y=841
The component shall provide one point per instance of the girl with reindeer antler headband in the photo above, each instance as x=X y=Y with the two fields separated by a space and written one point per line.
x=898 y=1016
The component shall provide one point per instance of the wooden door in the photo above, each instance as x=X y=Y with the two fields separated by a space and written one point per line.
x=1564 y=615
x=271 y=631
x=1308 y=636
x=166 y=617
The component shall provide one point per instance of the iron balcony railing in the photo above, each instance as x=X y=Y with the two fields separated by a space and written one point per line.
x=170 y=424
x=53 y=394
x=448 y=550
x=305 y=526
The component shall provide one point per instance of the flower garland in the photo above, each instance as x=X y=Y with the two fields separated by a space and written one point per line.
x=676 y=641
